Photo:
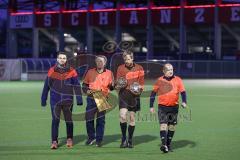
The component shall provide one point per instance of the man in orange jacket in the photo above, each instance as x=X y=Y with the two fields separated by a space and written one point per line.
x=167 y=89
x=129 y=101
x=96 y=79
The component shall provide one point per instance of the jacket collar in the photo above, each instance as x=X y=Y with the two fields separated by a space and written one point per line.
x=168 y=78
x=61 y=69
x=129 y=68
x=104 y=70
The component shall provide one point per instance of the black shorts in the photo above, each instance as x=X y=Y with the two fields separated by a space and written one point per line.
x=129 y=100
x=167 y=115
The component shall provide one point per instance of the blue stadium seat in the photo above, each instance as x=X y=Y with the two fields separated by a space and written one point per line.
x=37 y=65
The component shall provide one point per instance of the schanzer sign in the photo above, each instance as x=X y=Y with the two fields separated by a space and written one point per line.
x=21 y=21
x=167 y=16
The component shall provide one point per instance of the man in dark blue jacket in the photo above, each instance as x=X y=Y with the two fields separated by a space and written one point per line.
x=62 y=81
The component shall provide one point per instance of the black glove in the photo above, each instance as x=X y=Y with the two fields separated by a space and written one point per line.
x=80 y=104
x=43 y=103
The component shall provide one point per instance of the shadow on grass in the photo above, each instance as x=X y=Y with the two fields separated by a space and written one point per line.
x=108 y=139
x=136 y=139
x=111 y=138
x=182 y=144
x=143 y=139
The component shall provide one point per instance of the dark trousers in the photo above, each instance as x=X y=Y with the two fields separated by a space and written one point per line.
x=91 y=111
x=56 y=116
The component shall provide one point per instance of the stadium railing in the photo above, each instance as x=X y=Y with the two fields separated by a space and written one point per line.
x=199 y=68
x=36 y=65
x=153 y=68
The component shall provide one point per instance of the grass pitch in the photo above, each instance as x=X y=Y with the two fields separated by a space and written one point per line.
x=211 y=131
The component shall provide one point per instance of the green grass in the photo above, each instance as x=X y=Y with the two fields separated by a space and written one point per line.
x=212 y=131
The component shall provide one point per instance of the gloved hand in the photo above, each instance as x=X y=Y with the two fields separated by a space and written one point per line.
x=43 y=103
x=79 y=103
x=184 y=105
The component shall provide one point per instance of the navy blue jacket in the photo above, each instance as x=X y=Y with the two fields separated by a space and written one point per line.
x=63 y=84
